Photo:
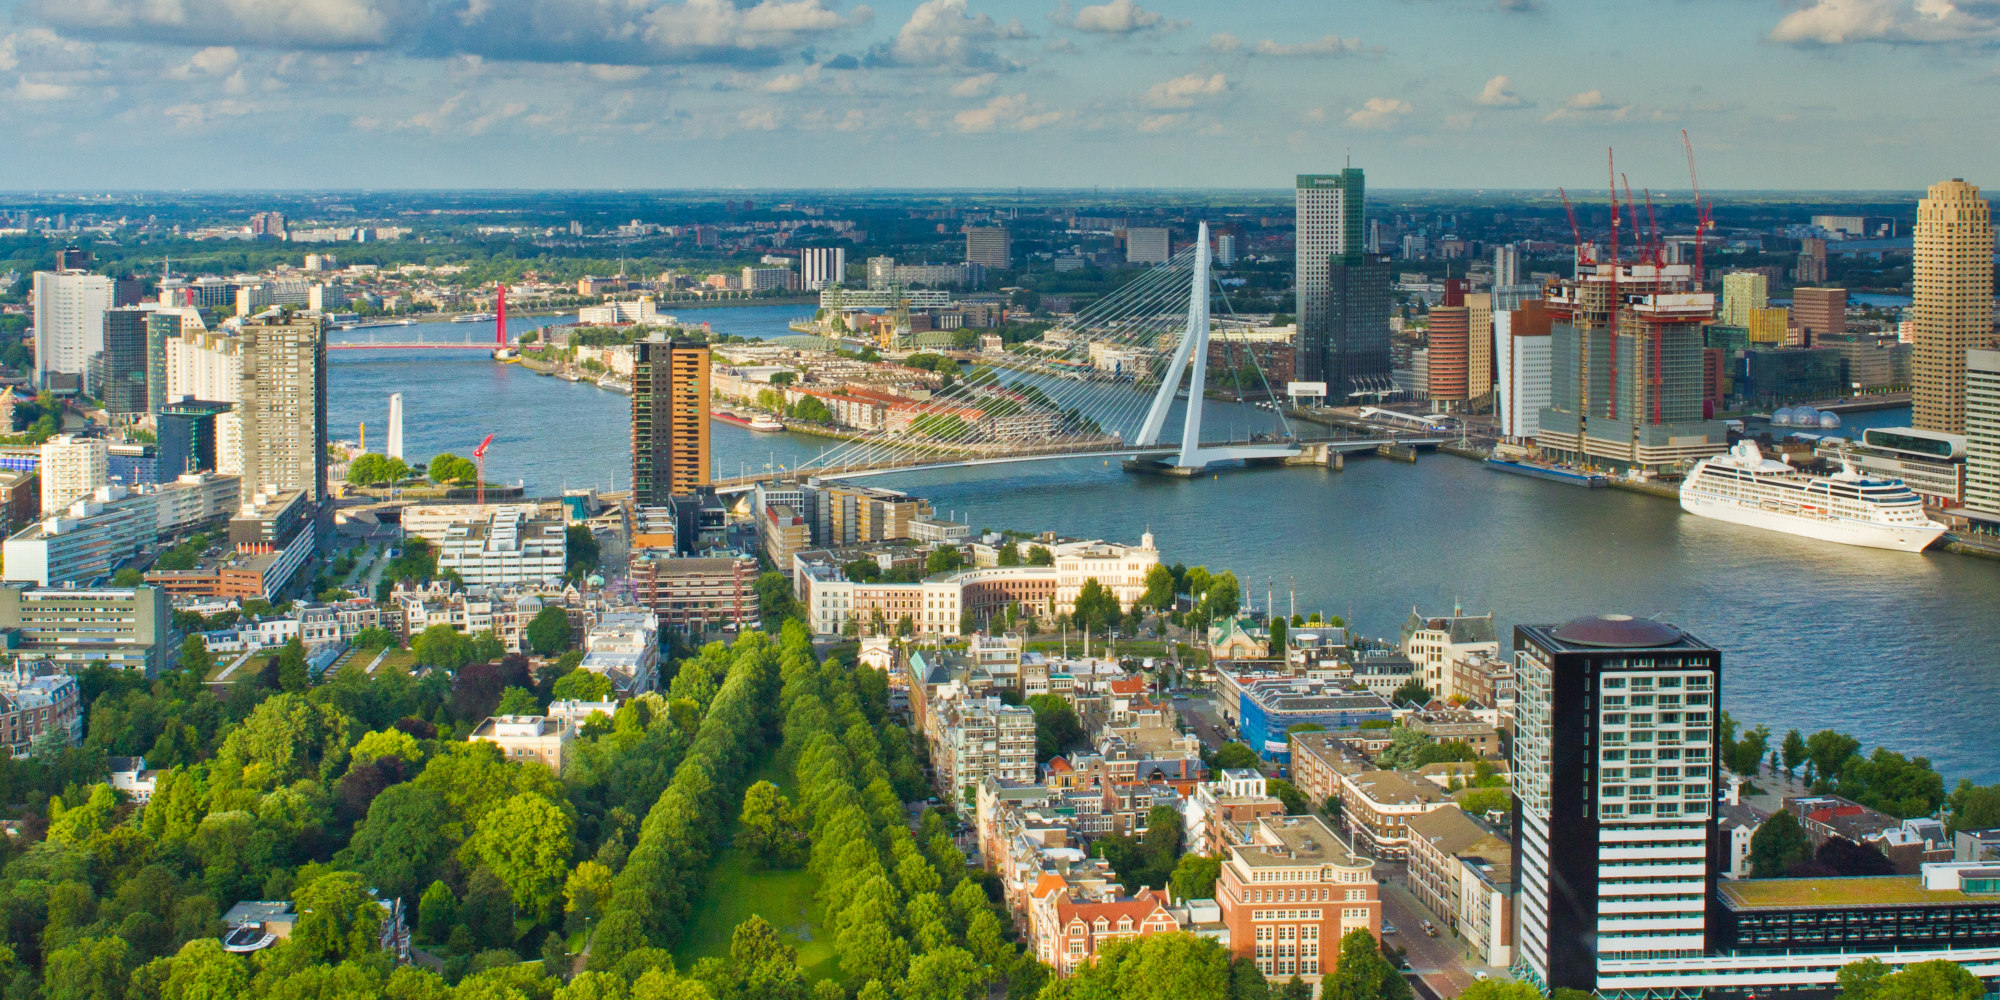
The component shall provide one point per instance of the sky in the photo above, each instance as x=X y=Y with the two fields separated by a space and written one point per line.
x=299 y=94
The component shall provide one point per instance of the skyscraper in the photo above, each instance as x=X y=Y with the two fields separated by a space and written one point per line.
x=1450 y=355
x=1617 y=724
x=1982 y=432
x=69 y=321
x=118 y=371
x=989 y=246
x=1342 y=292
x=71 y=468
x=821 y=267
x=206 y=364
x=1521 y=348
x=1819 y=311
x=669 y=419
x=1743 y=291
x=1952 y=302
x=188 y=436
x=282 y=401
x=1506 y=265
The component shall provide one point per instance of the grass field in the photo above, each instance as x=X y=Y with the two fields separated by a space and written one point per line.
x=736 y=892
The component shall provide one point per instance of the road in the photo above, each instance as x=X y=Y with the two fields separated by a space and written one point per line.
x=1438 y=961
x=1198 y=713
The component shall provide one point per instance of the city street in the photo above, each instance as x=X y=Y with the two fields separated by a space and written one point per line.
x=1198 y=714
x=1438 y=962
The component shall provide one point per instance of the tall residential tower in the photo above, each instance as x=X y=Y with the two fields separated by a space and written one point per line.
x=1953 y=299
x=669 y=419
x=282 y=403
x=1343 y=293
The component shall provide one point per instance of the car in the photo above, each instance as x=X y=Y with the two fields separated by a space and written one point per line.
x=1388 y=928
x=1430 y=929
x=1479 y=976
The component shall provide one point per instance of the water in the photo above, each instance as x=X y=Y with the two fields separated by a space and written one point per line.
x=1901 y=650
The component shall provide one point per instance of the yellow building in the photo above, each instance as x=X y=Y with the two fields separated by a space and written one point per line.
x=1953 y=299
x=1743 y=291
x=1479 y=364
x=1768 y=326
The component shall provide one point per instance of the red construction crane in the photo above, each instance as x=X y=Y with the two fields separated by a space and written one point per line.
x=500 y=318
x=1703 y=220
x=1575 y=233
x=479 y=457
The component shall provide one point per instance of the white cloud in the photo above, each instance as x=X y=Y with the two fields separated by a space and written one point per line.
x=974 y=86
x=945 y=33
x=1499 y=93
x=1378 y=112
x=215 y=60
x=758 y=119
x=1118 y=17
x=1328 y=46
x=1840 y=22
x=1007 y=112
x=1224 y=42
x=612 y=32
x=1183 y=91
x=1590 y=105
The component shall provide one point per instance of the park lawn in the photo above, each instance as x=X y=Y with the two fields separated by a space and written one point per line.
x=736 y=891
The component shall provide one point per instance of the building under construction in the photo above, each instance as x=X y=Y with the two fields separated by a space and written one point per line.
x=1626 y=369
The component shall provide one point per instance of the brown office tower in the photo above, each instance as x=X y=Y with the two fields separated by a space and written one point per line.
x=669 y=419
x=1451 y=355
x=1819 y=311
x=1953 y=300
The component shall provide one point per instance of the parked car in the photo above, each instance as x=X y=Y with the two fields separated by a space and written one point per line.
x=1430 y=929
x=1388 y=928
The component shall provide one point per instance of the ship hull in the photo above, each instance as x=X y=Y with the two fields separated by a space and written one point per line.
x=1899 y=538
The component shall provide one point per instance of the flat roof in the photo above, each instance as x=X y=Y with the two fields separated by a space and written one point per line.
x=1794 y=893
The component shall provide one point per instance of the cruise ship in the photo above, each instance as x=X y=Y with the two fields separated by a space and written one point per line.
x=1744 y=487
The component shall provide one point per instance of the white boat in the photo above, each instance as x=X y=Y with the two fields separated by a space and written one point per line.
x=1744 y=487
x=475 y=318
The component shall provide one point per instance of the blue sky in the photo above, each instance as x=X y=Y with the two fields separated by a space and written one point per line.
x=1848 y=94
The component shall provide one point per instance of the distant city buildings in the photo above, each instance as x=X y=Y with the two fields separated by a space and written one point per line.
x=822 y=267
x=1952 y=300
x=989 y=247
x=1148 y=245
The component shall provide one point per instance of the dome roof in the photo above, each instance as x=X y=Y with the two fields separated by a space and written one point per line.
x=1620 y=631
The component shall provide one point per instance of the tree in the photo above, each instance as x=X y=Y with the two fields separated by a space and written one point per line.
x=1095 y=607
x=944 y=560
x=581 y=554
x=1363 y=974
x=526 y=842
x=1869 y=979
x=337 y=918
x=127 y=577
x=1177 y=965
x=1411 y=692
x=443 y=647
x=1159 y=588
x=769 y=829
x=1974 y=807
x=1778 y=845
x=403 y=841
x=1039 y=556
x=1277 y=628
x=1793 y=751
x=518 y=701
x=1500 y=989
x=1296 y=989
x=437 y=911
x=1195 y=876
x=947 y=973
x=1747 y=756
x=583 y=685
x=1906 y=788
x=292 y=666
x=445 y=467
x=1829 y=751
x=194 y=656
x=1223 y=597
x=203 y=971
x=1010 y=553
x=1057 y=730
x=1847 y=859
x=1288 y=793
x=1235 y=757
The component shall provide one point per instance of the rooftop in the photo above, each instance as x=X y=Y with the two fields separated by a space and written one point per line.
x=1793 y=893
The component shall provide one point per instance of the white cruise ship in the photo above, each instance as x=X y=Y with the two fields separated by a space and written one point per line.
x=1744 y=487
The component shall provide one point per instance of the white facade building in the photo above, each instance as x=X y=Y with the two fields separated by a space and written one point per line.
x=510 y=548
x=72 y=468
x=823 y=266
x=624 y=647
x=69 y=320
x=1982 y=432
x=1524 y=377
x=205 y=364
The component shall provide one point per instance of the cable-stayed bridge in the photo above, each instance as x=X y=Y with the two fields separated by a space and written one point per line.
x=1119 y=380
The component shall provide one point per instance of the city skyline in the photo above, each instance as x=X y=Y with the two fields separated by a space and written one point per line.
x=706 y=94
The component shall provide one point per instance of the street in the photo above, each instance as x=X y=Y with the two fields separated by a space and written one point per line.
x=1439 y=962
x=1197 y=713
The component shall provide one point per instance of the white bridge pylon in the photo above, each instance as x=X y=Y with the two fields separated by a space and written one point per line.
x=1191 y=355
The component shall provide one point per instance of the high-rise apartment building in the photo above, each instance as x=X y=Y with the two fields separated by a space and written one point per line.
x=71 y=468
x=1343 y=300
x=1743 y=291
x=1479 y=354
x=69 y=321
x=669 y=419
x=1771 y=326
x=989 y=246
x=1819 y=311
x=1148 y=245
x=118 y=372
x=1521 y=347
x=162 y=326
x=821 y=267
x=1506 y=265
x=1450 y=355
x=1982 y=432
x=1952 y=302
x=1618 y=721
x=281 y=399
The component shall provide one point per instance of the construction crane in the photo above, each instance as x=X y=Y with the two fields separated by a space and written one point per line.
x=1703 y=220
x=479 y=457
x=1576 y=234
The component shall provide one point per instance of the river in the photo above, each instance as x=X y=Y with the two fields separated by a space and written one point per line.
x=1901 y=650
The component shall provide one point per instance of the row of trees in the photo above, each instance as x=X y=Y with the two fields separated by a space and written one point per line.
x=668 y=865
x=1832 y=763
